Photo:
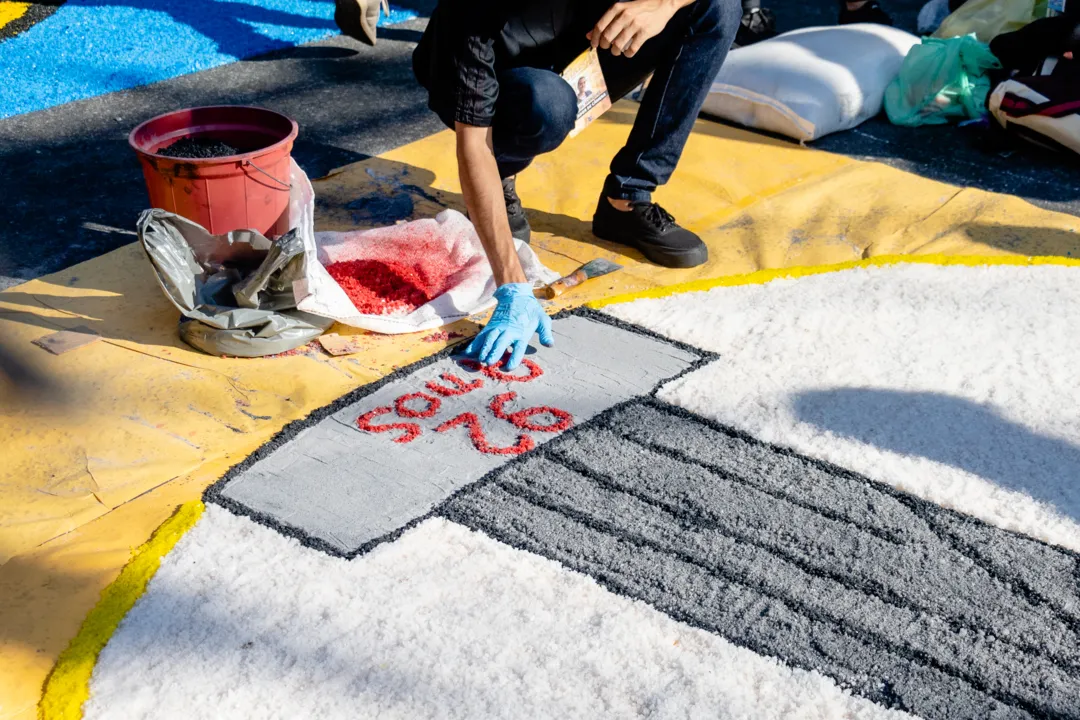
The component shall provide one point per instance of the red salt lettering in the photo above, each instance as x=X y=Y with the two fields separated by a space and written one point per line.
x=476 y=434
x=411 y=431
x=520 y=419
x=493 y=371
x=461 y=387
x=404 y=410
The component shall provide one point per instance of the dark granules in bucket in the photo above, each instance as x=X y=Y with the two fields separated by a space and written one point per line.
x=380 y=287
x=196 y=148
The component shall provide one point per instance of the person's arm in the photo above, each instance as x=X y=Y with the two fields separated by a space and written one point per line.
x=518 y=314
x=482 y=188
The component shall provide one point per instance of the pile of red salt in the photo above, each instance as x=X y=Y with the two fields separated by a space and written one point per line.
x=380 y=287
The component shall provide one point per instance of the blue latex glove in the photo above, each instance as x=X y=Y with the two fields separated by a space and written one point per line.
x=517 y=316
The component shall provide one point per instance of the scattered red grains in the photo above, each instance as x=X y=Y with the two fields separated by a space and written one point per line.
x=441 y=336
x=302 y=350
x=411 y=430
x=461 y=387
x=476 y=434
x=433 y=404
x=493 y=371
x=378 y=287
x=520 y=419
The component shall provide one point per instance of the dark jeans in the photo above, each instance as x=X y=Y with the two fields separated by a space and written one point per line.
x=536 y=108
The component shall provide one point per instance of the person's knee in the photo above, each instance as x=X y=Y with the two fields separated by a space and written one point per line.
x=548 y=108
x=563 y=109
x=720 y=17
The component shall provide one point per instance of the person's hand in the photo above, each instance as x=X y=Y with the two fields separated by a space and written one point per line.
x=517 y=316
x=627 y=25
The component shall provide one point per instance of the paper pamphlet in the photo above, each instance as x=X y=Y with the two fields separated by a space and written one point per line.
x=587 y=80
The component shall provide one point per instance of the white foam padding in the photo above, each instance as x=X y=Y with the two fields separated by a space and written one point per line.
x=808 y=83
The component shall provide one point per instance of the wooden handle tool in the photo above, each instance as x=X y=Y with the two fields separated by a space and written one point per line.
x=591 y=269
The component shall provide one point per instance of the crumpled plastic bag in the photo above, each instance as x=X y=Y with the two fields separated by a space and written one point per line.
x=987 y=19
x=941 y=80
x=235 y=290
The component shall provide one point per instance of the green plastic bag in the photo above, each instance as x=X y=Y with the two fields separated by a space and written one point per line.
x=941 y=80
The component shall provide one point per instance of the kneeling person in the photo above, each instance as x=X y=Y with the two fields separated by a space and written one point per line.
x=491 y=71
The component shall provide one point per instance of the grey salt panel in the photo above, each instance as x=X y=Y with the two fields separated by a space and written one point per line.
x=345 y=487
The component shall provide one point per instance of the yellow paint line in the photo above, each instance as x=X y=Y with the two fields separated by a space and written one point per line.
x=11 y=11
x=766 y=276
x=68 y=685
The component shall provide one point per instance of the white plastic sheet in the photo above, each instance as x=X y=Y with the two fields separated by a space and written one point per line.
x=471 y=291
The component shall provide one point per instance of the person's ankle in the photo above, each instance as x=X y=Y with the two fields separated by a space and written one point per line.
x=619 y=204
x=855 y=5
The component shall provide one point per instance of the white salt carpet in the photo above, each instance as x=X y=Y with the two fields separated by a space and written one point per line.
x=955 y=384
x=242 y=622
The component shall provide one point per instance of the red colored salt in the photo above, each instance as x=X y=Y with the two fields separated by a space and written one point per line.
x=460 y=386
x=410 y=431
x=441 y=336
x=379 y=287
x=521 y=418
x=479 y=440
x=403 y=409
x=493 y=371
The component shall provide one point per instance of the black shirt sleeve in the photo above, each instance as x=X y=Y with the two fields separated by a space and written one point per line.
x=477 y=84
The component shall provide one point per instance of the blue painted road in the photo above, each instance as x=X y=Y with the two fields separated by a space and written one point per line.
x=91 y=47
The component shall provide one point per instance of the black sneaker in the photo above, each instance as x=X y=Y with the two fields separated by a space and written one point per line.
x=650 y=229
x=519 y=223
x=757 y=24
x=869 y=12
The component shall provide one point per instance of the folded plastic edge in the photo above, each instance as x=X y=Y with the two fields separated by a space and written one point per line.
x=68 y=685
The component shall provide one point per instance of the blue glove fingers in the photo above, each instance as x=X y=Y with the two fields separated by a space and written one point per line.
x=492 y=338
x=473 y=348
x=497 y=352
x=520 y=346
x=544 y=330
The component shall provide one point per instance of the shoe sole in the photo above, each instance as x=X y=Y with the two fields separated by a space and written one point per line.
x=676 y=259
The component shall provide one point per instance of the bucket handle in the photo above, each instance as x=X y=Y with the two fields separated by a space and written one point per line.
x=285 y=185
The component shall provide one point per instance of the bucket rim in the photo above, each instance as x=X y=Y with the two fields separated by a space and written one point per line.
x=294 y=130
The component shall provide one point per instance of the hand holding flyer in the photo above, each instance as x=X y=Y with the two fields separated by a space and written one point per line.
x=587 y=80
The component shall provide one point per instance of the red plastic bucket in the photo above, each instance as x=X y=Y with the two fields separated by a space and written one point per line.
x=238 y=192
